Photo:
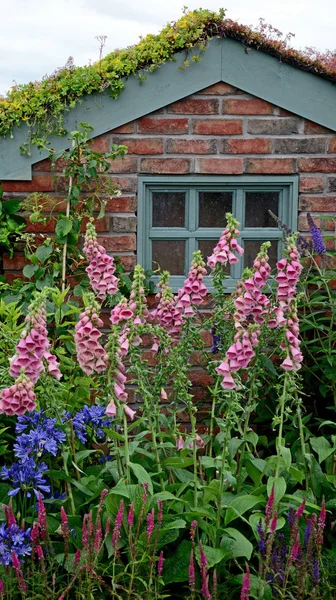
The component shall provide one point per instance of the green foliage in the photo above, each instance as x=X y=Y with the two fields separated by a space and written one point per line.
x=11 y=225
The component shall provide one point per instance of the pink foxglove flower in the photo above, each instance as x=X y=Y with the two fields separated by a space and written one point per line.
x=90 y=353
x=111 y=409
x=167 y=314
x=289 y=270
x=34 y=345
x=223 y=252
x=193 y=290
x=101 y=268
x=251 y=308
x=18 y=398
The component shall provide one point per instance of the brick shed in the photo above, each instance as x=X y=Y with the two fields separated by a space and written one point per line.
x=240 y=131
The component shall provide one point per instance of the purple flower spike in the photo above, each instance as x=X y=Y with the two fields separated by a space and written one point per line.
x=317 y=239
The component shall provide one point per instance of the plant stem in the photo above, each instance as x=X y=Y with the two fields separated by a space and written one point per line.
x=222 y=481
x=126 y=448
x=302 y=442
x=282 y=413
x=212 y=418
x=65 y=247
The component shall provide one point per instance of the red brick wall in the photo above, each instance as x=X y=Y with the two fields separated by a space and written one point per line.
x=220 y=131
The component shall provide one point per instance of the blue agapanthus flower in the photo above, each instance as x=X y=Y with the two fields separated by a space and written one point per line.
x=13 y=539
x=93 y=416
x=38 y=435
x=26 y=477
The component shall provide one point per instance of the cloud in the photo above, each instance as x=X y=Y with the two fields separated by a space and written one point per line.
x=39 y=36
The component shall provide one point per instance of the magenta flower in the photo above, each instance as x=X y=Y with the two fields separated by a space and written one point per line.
x=101 y=268
x=150 y=525
x=90 y=353
x=160 y=563
x=117 y=526
x=246 y=587
x=191 y=572
x=130 y=516
x=193 y=290
x=223 y=251
x=18 y=398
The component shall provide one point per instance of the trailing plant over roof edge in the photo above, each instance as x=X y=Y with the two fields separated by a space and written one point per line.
x=42 y=104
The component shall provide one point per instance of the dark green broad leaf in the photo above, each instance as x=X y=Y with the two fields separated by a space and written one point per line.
x=240 y=545
x=29 y=270
x=176 y=567
x=63 y=226
x=10 y=207
x=179 y=462
x=142 y=475
x=241 y=505
x=213 y=555
x=43 y=252
x=322 y=448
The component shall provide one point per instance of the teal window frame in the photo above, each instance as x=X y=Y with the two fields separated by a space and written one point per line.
x=287 y=186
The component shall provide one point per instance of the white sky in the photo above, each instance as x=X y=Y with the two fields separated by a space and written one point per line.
x=37 y=36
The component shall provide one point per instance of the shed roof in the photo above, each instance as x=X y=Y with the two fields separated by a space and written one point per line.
x=233 y=55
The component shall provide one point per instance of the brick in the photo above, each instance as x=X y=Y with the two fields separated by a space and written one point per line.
x=127 y=128
x=323 y=224
x=49 y=227
x=39 y=183
x=311 y=184
x=246 y=106
x=206 y=337
x=285 y=113
x=299 y=146
x=123 y=224
x=118 y=243
x=194 y=106
x=125 y=184
x=219 y=88
x=317 y=203
x=310 y=127
x=102 y=225
x=123 y=165
x=331 y=184
x=246 y=146
x=222 y=166
x=44 y=166
x=332 y=146
x=163 y=125
x=180 y=146
x=101 y=143
x=16 y=263
x=165 y=165
x=271 y=165
x=128 y=261
x=121 y=204
x=273 y=126
x=140 y=145
x=218 y=126
x=10 y=277
x=200 y=377
x=317 y=165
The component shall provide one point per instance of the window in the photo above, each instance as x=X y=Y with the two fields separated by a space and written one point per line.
x=178 y=215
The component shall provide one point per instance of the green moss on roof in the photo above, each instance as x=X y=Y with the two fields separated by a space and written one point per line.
x=42 y=104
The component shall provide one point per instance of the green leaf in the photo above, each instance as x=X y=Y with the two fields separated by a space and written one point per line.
x=255 y=518
x=286 y=455
x=142 y=475
x=176 y=567
x=29 y=270
x=11 y=206
x=279 y=488
x=177 y=524
x=63 y=226
x=213 y=555
x=296 y=474
x=233 y=446
x=240 y=505
x=42 y=252
x=322 y=447
x=178 y=462
x=242 y=546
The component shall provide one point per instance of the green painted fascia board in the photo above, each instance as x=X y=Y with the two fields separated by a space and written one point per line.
x=164 y=86
x=294 y=89
x=253 y=71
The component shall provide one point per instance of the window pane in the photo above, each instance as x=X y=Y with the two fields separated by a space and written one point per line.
x=206 y=247
x=168 y=209
x=212 y=208
x=257 y=205
x=169 y=255
x=252 y=247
